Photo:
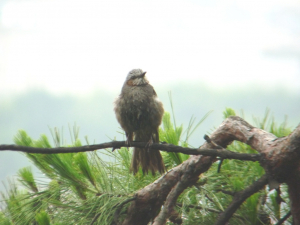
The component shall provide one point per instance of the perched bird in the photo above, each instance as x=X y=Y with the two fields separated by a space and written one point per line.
x=139 y=112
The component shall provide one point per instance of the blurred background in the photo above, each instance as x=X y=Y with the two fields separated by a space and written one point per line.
x=64 y=62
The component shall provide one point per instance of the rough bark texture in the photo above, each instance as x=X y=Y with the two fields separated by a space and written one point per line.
x=279 y=157
x=151 y=198
x=239 y=198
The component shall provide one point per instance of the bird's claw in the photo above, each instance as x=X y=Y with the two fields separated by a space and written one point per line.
x=128 y=143
x=149 y=143
x=128 y=140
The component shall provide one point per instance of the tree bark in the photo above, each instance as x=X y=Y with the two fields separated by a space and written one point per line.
x=279 y=157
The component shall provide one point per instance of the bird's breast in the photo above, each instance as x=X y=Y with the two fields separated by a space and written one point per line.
x=138 y=110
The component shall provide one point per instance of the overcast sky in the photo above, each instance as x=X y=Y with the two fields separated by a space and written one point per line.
x=71 y=46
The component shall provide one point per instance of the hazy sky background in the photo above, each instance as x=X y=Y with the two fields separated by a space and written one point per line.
x=64 y=61
x=71 y=46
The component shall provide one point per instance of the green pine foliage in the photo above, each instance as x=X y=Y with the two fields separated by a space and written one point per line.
x=172 y=134
x=42 y=218
x=83 y=188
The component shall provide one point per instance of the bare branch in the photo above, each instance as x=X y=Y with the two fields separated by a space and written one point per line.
x=207 y=209
x=150 y=198
x=119 y=207
x=199 y=207
x=279 y=157
x=223 y=153
x=283 y=219
x=168 y=209
x=227 y=192
x=239 y=198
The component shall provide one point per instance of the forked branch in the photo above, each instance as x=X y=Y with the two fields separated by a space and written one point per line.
x=279 y=157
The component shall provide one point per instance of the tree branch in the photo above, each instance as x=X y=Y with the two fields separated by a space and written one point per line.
x=283 y=219
x=168 y=209
x=223 y=153
x=119 y=207
x=150 y=198
x=279 y=156
x=233 y=128
x=208 y=209
x=200 y=207
x=239 y=198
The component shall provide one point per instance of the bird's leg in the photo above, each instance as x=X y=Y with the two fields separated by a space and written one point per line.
x=129 y=138
x=149 y=143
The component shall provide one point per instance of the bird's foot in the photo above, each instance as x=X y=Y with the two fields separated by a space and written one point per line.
x=149 y=143
x=128 y=143
x=128 y=140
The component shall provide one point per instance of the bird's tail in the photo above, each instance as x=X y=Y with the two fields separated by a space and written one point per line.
x=148 y=159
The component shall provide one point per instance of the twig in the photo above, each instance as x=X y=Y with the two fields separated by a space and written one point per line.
x=215 y=146
x=239 y=198
x=281 y=221
x=199 y=207
x=278 y=156
x=119 y=207
x=227 y=192
x=278 y=196
x=207 y=209
x=168 y=210
x=95 y=218
x=225 y=154
x=219 y=165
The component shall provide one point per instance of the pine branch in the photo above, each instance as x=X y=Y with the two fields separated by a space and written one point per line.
x=283 y=219
x=274 y=152
x=168 y=210
x=223 y=153
x=239 y=198
x=207 y=209
x=119 y=207
x=278 y=156
x=200 y=207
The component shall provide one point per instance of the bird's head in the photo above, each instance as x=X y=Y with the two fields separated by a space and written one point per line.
x=136 y=77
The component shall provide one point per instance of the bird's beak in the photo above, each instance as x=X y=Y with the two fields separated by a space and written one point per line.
x=143 y=74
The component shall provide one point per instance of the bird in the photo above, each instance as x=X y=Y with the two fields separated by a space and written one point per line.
x=139 y=112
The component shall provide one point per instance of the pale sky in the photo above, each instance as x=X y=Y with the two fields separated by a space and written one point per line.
x=71 y=46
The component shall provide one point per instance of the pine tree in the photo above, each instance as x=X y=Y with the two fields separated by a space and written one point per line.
x=97 y=188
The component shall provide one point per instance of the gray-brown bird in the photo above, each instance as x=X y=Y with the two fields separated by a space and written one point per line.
x=139 y=112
